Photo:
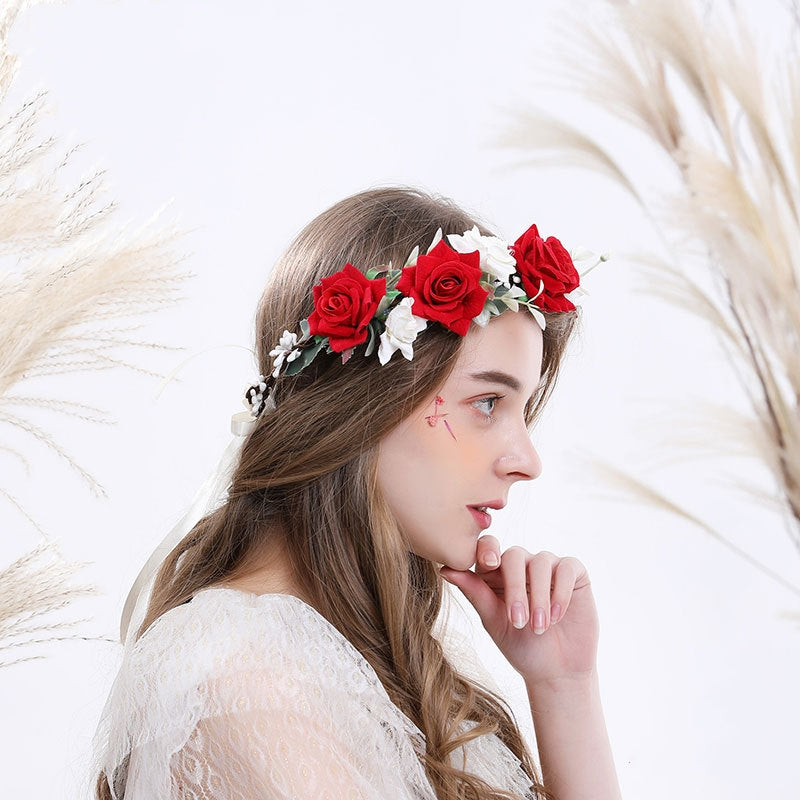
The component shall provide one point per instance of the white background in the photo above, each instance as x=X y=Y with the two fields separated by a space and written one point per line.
x=254 y=117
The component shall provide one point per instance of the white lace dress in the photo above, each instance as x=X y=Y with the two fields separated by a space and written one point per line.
x=244 y=697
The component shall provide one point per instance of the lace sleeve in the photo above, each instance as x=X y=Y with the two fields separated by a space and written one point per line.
x=291 y=744
x=254 y=698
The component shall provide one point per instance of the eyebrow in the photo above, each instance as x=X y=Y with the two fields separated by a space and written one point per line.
x=496 y=376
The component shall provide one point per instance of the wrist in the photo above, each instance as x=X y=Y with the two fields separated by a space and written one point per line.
x=563 y=684
x=572 y=739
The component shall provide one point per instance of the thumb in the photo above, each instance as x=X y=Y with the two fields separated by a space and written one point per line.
x=488 y=605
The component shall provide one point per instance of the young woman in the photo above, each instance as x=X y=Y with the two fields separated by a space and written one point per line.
x=288 y=650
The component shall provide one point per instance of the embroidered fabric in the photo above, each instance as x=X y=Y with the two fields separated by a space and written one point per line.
x=247 y=696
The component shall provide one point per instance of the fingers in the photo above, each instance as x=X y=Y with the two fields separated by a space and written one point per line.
x=513 y=568
x=540 y=570
x=528 y=582
x=490 y=608
x=487 y=554
x=527 y=589
x=565 y=581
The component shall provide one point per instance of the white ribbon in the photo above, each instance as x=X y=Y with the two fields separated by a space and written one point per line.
x=209 y=496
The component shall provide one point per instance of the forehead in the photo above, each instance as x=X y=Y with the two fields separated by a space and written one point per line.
x=511 y=343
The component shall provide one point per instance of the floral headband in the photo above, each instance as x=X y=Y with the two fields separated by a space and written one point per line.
x=472 y=279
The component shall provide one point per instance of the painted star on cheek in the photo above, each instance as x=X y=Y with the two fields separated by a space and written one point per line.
x=433 y=419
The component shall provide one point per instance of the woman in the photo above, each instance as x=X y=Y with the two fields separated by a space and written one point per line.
x=288 y=648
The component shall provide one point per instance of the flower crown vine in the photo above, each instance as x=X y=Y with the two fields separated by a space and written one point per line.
x=471 y=279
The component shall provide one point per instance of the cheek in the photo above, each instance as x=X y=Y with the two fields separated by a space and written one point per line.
x=468 y=447
x=456 y=445
x=417 y=465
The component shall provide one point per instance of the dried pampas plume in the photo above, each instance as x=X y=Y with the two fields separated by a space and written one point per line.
x=33 y=587
x=736 y=152
x=72 y=285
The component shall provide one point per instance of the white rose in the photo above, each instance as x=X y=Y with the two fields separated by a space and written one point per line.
x=496 y=259
x=402 y=328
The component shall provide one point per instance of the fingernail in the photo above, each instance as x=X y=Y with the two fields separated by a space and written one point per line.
x=518 y=615
x=538 y=620
x=491 y=560
x=555 y=614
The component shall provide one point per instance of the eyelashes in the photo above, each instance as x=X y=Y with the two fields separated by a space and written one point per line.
x=486 y=405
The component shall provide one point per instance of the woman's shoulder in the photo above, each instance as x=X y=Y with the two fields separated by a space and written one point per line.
x=227 y=635
x=230 y=652
x=219 y=620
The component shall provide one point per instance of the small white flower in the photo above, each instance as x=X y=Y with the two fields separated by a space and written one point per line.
x=580 y=253
x=496 y=258
x=285 y=350
x=586 y=260
x=402 y=328
x=254 y=395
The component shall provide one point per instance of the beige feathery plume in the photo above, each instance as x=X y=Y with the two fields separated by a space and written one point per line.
x=34 y=587
x=734 y=140
x=81 y=281
x=74 y=285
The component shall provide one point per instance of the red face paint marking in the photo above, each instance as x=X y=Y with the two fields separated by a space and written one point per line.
x=432 y=419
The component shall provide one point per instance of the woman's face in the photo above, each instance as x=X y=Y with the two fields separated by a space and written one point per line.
x=438 y=466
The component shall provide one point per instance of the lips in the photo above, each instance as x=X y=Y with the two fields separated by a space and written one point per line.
x=480 y=512
x=489 y=504
x=480 y=516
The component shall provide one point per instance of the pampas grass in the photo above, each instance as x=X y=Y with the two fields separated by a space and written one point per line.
x=34 y=587
x=692 y=78
x=74 y=286
x=80 y=277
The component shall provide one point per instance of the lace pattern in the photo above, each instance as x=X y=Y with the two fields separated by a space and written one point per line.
x=247 y=696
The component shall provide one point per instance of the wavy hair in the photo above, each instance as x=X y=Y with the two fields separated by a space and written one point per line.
x=307 y=476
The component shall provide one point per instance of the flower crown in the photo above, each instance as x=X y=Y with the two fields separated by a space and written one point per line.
x=471 y=279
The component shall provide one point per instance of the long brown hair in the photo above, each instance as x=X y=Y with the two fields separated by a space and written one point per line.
x=309 y=467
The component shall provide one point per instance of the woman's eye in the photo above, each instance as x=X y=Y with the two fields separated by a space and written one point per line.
x=487 y=404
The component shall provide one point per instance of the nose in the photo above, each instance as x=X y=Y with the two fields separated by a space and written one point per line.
x=521 y=461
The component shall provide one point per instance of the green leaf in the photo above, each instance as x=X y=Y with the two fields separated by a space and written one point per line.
x=436 y=239
x=383 y=306
x=306 y=331
x=540 y=318
x=374 y=272
x=391 y=279
x=308 y=355
x=508 y=302
x=373 y=337
x=483 y=318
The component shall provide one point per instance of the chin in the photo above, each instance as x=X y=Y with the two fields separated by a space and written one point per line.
x=455 y=560
x=462 y=563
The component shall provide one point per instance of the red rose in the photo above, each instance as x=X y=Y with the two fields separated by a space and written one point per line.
x=344 y=303
x=546 y=259
x=446 y=287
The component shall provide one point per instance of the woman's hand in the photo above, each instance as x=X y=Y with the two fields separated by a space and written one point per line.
x=525 y=589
